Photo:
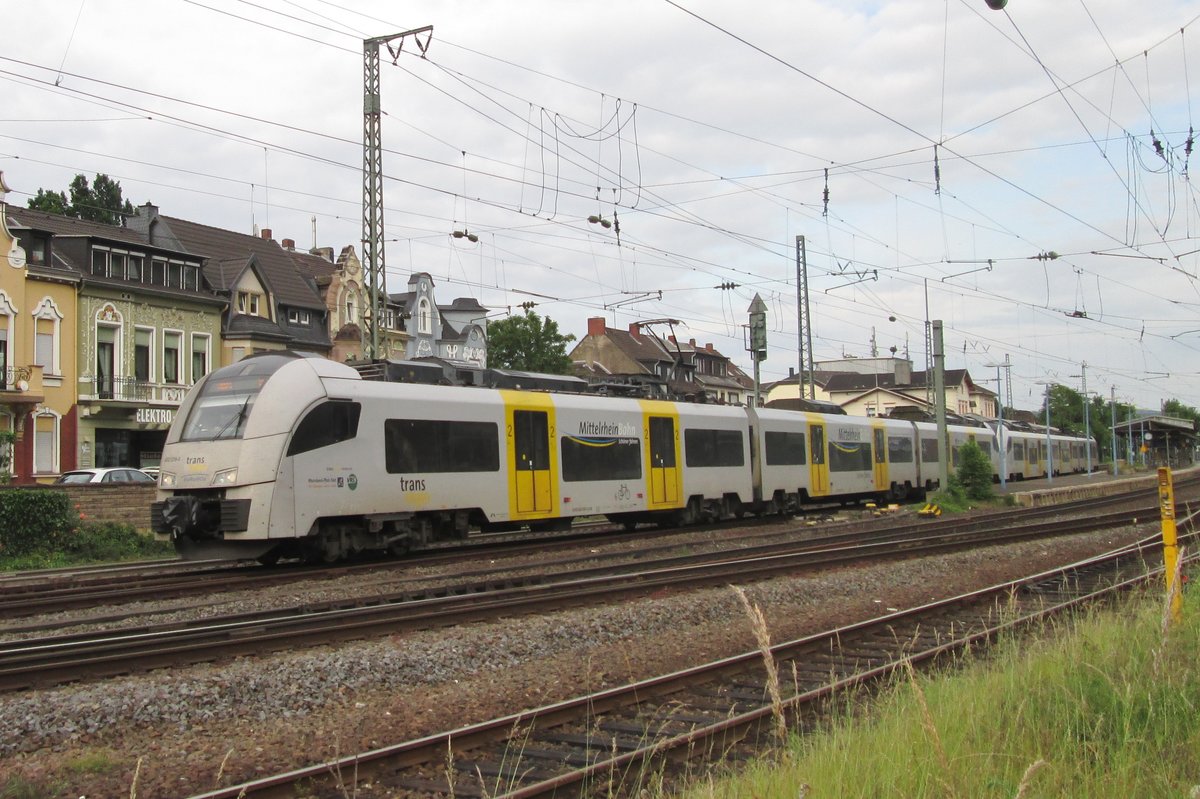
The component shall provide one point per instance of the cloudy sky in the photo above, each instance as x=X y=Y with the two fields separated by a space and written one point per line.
x=1022 y=175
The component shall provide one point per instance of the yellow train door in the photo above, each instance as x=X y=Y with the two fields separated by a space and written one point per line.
x=818 y=466
x=530 y=463
x=663 y=443
x=880 y=467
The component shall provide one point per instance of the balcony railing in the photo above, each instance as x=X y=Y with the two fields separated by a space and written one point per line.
x=130 y=389
x=12 y=376
x=21 y=384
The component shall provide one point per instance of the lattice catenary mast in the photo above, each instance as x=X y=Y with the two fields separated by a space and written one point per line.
x=372 y=240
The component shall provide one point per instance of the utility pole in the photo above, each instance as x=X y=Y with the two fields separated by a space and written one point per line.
x=804 y=321
x=1087 y=423
x=372 y=240
x=1113 y=410
x=1002 y=438
x=939 y=404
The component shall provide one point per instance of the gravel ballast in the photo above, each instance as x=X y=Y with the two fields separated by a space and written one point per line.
x=172 y=733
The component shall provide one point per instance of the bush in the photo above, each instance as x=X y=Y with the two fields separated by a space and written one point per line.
x=100 y=541
x=975 y=472
x=35 y=521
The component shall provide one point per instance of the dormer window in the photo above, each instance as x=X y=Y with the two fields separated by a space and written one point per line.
x=247 y=303
x=298 y=317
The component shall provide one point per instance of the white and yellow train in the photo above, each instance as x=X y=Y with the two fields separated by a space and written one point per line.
x=285 y=455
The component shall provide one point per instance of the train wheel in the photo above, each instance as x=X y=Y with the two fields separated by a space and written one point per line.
x=269 y=558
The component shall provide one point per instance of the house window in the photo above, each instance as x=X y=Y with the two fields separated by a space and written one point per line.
x=171 y=370
x=298 y=317
x=175 y=275
x=136 y=267
x=349 y=310
x=99 y=262
x=248 y=303
x=191 y=277
x=37 y=252
x=106 y=360
x=424 y=317
x=158 y=272
x=45 y=443
x=47 y=327
x=199 y=356
x=143 y=345
x=116 y=264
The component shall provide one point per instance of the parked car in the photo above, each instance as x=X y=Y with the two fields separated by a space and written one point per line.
x=152 y=471
x=119 y=474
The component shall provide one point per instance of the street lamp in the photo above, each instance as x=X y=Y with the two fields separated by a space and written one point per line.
x=1003 y=440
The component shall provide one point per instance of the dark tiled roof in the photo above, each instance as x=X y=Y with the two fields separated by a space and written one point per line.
x=275 y=264
x=642 y=348
x=69 y=226
x=65 y=227
x=257 y=326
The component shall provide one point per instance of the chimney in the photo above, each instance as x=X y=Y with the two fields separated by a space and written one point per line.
x=709 y=346
x=266 y=233
x=596 y=326
x=289 y=245
x=635 y=329
x=692 y=341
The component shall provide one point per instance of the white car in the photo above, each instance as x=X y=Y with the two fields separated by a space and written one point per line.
x=117 y=474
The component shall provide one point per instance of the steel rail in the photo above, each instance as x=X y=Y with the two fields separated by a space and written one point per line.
x=48 y=661
x=29 y=598
x=506 y=739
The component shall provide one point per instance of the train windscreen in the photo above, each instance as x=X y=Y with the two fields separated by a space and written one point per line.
x=223 y=403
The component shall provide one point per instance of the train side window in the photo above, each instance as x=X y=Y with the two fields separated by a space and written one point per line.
x=328 y=423
x=817 y=434
x=785 y=449
x=900 y=449
x=878 y=439
x=439 y=445
x=601 y=459
x=929 y=450
x=849 y=456
x=1018 y=450
x=713 y=448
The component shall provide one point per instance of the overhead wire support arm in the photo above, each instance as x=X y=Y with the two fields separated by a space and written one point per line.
x=636 y=297
x=863 y=277
x=372 y=239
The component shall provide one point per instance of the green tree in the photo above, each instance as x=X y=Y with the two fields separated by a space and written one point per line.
x=1178 y=410
x=975 y=471
x=52 y=202
x=528 y=343
x=100 y=202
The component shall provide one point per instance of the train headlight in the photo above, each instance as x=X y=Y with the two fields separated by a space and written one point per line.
x=225 y=478
x=166 y=479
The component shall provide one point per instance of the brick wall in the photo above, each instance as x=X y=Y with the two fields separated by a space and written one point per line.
x=125 y=504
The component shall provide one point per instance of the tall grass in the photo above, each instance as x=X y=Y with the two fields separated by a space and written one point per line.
x=1110 y=707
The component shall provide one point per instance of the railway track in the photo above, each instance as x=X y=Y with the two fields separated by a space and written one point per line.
x=44 y=661
x=609 y=742
x=71 y=589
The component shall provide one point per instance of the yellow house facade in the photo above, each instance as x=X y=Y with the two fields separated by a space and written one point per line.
x=38 y=367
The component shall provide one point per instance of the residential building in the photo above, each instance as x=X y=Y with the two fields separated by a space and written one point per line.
x=454 y=332
x=37 y=354
x=270 y=303
x=883 y=386
x=640 y=362
x=142 y=328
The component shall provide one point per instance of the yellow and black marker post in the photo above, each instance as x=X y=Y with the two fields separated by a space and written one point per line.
x=1166 y=507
